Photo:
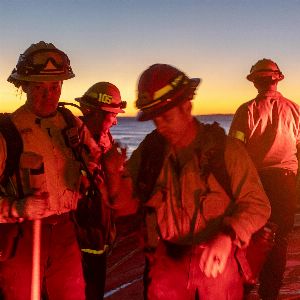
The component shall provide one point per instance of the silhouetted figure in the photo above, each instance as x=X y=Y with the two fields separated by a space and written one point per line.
x=269 y=126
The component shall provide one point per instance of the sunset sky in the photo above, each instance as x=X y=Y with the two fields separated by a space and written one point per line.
x=115 y=41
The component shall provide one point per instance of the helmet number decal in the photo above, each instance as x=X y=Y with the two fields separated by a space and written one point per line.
x=104 y=98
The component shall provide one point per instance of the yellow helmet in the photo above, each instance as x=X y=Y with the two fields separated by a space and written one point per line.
x=41 y=62
x=265 y=68
x=103 y=96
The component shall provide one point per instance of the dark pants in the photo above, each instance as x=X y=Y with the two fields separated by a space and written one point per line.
x=280 y=187
x=173 y=273
x=61 y=271
x=94 y=269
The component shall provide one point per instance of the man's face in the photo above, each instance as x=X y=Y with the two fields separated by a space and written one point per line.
x=265 y=84
x=110 y=120
x=43 y=97
x=173 y=124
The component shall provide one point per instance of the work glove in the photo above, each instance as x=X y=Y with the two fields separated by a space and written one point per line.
x=32 y=206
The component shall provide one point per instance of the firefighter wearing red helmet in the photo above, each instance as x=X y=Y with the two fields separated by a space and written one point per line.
x=43 y=182
x=269 y=126
x=100 y=105
x=192 y=228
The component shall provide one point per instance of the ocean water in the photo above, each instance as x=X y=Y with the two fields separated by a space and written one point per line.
x=130 y=132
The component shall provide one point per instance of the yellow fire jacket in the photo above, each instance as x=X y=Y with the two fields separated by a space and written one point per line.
x=43 y=140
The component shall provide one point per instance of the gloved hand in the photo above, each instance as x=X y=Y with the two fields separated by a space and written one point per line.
x=214 y=257
x=32 y=206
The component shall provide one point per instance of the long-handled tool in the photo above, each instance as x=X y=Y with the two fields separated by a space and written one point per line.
x=36 y=257
x=33 y=167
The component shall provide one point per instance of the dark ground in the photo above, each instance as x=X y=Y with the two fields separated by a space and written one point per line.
x=126 y=263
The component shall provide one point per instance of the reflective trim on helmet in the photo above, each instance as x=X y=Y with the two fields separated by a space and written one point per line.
x=159 y=95
x=166 y=89
x=151 y=104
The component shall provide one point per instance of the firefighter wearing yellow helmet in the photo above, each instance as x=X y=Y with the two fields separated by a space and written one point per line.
x=100 y=105
x=43 y=181
x=269 y=126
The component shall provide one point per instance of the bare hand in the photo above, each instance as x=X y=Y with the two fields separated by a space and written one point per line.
x=114 y=159
x=34 y=206
x=215 y=255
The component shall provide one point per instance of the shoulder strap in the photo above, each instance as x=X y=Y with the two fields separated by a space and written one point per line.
x=74 y=139
x=14 y=148
x=153 y=153
x=216 y=159
x=72 y=133
x=67 y=114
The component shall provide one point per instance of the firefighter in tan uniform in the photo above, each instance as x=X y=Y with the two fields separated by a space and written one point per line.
x=100 y=105
x=46 y=182
x=192 y=227
x=269 y=126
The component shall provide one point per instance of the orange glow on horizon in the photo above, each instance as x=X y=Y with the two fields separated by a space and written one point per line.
x=224 y=98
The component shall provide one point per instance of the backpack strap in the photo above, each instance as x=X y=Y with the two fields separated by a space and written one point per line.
x=14 y=149
x=67 y=114
x=153 y=153
x=215 y=156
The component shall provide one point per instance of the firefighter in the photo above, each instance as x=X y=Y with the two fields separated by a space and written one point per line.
x=192 y=227
x=269 y=126
x=100 y=106
x=45 y=182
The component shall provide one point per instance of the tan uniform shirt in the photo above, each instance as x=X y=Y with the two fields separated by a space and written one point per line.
x=270 y=127
x=185 y=204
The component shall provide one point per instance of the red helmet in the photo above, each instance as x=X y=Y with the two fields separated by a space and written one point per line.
x=265 y=68
x=162 y=87
x=103 y=96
